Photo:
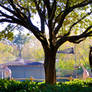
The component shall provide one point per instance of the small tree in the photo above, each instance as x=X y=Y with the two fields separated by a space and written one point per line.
x=62 y=18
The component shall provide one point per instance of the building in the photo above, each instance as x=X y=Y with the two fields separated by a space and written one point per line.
x=26 y=70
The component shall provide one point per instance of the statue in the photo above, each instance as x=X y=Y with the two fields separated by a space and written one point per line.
x=85 y=72
x=7 y=72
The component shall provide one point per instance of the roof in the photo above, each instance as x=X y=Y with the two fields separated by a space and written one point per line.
x=20 y=61
x=34 y=63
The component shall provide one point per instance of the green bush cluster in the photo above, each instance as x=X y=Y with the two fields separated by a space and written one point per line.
x=17 y=86
x=28 y=86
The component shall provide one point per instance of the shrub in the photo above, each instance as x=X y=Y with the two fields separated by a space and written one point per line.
x=28 y=86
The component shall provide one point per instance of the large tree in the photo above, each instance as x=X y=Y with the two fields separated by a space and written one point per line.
x=61 y=17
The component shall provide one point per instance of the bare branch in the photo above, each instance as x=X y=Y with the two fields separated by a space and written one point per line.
x=53 y=9
x=61 y=19
x=42 y=16
x=81 y=37
x=75 y=39
x=37 y=7
x=47 y=4
x=38 y=34
x=61 y=41
x=17 y=10
x=58 y=17
x=5 y=20
x=9 y=10
x=12 y=18
x=23 y=8
x=9 y=17
x=67 y=4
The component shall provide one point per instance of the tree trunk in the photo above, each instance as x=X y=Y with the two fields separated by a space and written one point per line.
x=90 y=58
x=20 y=55
x=20 y=50
x=49 y=66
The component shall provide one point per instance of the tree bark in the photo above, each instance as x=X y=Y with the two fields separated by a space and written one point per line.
x=90 y=58
x=49 y=66
x=20 y=50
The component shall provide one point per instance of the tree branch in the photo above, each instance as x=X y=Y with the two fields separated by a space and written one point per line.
x=77 y=23
x=38 y=34
x=42 y=16
x=82 y=4
x=60 y=41
x=75 y=39
x=81 y=37
x=13 y=19
x=60 y=22
x=87 y=30
x=21 y=19
x=67 y=11
x=23 y=8
x=67 y=4
x=53 y=9
x=47 y=3
x=20 y=15
x=5 y=15
x=11 y=11
x=5 y=20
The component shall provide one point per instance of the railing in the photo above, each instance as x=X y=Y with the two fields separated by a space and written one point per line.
x=33 y=79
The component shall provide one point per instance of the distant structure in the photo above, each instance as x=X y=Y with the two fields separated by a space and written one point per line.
x=34 y=69
x=26 y=70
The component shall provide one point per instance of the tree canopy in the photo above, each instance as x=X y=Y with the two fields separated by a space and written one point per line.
x=63 y=14
x=66 y=20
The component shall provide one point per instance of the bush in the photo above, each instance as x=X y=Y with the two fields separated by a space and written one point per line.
x=28 y=86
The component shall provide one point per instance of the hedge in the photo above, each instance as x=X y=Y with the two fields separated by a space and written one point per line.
x=29 y=86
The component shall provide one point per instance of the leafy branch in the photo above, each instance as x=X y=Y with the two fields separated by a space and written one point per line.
x=77 y=23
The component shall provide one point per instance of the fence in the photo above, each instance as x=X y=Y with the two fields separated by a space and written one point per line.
x=33 y=79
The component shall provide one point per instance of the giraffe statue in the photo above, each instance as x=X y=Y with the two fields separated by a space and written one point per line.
x=85 y=72
x=7 y=72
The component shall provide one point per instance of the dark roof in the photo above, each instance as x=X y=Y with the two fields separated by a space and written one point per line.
x=34 y=63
